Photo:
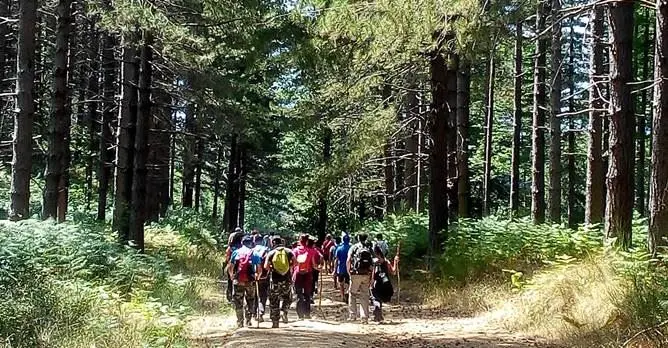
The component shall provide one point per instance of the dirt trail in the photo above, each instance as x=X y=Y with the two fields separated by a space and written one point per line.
x=406 y=325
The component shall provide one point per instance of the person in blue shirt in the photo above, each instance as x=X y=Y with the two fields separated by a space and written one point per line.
x=242 y=270
x=340 y=267
x=259 y=254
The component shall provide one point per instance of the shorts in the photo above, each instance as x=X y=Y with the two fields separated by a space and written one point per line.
x=343 y=278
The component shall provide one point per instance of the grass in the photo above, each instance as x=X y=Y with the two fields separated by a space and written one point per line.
x=71 y=285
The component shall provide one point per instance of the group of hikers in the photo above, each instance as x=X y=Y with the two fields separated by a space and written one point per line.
x=264 y=267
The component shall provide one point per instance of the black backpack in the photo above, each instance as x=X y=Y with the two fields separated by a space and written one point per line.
x=382 y=289
x=362 y=259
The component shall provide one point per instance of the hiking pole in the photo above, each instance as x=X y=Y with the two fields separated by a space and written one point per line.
x=257 y=303
x=398 y=273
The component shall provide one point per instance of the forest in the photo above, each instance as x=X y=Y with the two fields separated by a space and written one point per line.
x=513 y=152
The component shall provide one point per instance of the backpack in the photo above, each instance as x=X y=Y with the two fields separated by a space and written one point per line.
x=304 y=264
x=362 y=259
x=281 y=262
x=382 y=288
x=244 y=266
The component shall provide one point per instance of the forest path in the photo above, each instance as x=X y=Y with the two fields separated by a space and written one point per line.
x=406 y=325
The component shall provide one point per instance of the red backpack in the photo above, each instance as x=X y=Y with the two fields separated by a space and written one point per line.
x=304 y=262
x=244 y=266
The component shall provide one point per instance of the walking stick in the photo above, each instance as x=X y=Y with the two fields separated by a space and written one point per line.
x=398 y=273
x=257 y=303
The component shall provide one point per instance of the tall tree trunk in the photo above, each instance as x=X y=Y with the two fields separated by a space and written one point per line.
x=143 y=127
x=158 y=152
x=322 y=199
x=23 y=121
x=641 y=136
x=189 y=159
x=489 y=129
x=231 y=212
x=658 y=185
x=172 y=158
x=59 y=119
x=198 y=172
x=619 y=202
x=572 y=223
x=438 y=158
x=127 y=118
x=243 y=176
x=517 y=124
x=412 y=141
x=453 y=67
x=216 y=182
x=554 y=205
x=595 y=195
x=463 y=101
x=106 y=129
x=538 y=131
x=92 y=112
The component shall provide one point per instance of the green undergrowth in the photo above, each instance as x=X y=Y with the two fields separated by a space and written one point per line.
x=544 y=280
x=72 y=285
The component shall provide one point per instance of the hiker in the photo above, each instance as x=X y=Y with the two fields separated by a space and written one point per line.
x=268 y=238
x=233 y=243
x=326 y=245
x=359 y=265
x=340 y=265
x=242 y=270
x=317 y=254
x=278 y=263
x=303 y=276
x=380 y=242
x=332 y=258
x=381 y=285
x=260 y=252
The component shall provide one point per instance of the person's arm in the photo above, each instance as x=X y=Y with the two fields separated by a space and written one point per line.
x=336 y=263
x=350 y=252
x=392 y=267
x=266 y=261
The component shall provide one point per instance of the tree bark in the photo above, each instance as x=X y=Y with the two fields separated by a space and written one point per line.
x=92 y=112
x=572 y=174
x=463 y=101
x=595 y=186
x=322 y=199
x=143 y=127
x=127 y=118
x=453 y=202
x=619 y=202
x=189 y=158
x=23 y=120
x=412 y=141
x=438 y=163
x=243 y=176
x=517 y=124
x=538 y=131
x=58 y=141
x=199 y=163
x=658 y=185
x=489 y=129
x=641 y=136
x=231 y=213
x=554 y=205
x=106 y=153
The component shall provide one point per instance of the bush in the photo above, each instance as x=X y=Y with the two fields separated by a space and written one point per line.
x=73 y=285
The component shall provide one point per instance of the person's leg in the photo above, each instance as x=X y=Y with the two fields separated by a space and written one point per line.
x=286 y=297
x=264 y=293
x=251 y=310
x=364 y=296
x=274 y=303
x=352 y=297
x=308 y=295
x=299 y=290
x=238 y=300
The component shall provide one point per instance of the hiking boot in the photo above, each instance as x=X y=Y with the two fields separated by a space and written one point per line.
x=274 y=325
x=240 y=324
x=307 y=317
x=249 y=323
x=260 y=319
x=365 y=321
x=284 y=316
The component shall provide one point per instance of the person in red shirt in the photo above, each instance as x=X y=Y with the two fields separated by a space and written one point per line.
x=303 y=276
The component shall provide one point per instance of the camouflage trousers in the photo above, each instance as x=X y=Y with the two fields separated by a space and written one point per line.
x=245 y=292
x=280 y=291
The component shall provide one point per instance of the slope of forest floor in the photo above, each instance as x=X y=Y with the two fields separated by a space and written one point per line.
x=407 y=324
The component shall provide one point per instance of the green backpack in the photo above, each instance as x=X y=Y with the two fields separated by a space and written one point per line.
x=281 y=262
